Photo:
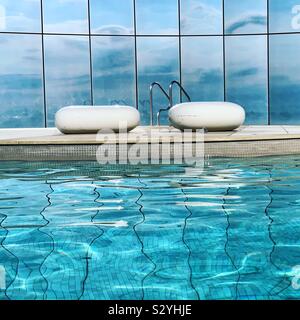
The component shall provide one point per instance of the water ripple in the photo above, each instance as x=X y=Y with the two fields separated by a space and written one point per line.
x=190 y=213
x=227 y=244
x=88 y=255
x=140 y=239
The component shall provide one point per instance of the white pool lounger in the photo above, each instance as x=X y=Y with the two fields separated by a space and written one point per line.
x=213 y=116
x=91 y=119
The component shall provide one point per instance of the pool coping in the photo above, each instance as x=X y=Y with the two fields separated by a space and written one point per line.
x=50 y=144
x=143 y=134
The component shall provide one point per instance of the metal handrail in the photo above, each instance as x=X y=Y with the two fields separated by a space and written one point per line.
x=171 y=86
x=181 y=90
x=152 y=86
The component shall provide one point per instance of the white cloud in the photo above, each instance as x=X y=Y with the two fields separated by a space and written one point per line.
x=200 y=17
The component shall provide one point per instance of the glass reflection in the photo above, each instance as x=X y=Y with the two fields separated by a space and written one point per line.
x=284 y=16
x=21 y=85
x=113 y=70
x=247 y=16
x=157 y=17
x=20 y=16
x=202 y=67
x=157 y=61
x=285 y=79
x=200 y=17
x=69 y=16
x=246 y=75
x=112 y=16
x=67 y=73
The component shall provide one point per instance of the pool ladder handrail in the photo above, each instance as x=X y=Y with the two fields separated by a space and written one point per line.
x=152 y=86
x=171 y=87
x=182 y=90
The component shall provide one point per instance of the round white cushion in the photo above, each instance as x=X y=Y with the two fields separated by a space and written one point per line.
x=213 y=116
x=91 y=119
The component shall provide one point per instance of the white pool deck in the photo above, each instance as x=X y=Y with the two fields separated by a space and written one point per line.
x=33 y=136
x=246 y=141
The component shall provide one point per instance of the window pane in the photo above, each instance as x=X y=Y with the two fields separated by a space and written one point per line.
x=247 y=16
x=201 y=17
x=246 y=75
x=113 y=70
x=112 y=16
x=202 y=67
x=20 y=16
x=157 y=61
x=284 y=15
x=65 y=16
x=21 y=85
x=67 y=72
x=157 y=17
x=285 y=79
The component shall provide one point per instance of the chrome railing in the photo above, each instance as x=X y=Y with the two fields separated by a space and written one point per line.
x=152 y=86
x=182 y=90
x=171 y=87
x=168 y=96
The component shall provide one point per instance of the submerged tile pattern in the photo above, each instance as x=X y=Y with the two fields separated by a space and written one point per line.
x=81 y=231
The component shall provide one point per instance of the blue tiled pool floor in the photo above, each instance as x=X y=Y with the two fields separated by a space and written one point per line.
x=80 y=231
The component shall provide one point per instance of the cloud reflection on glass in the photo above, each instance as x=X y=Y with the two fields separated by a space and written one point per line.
x=65 y=16
x=201 y=17
x=285 y=79
x=112 y=17
x=157 y=17
x=21 y=16
x=202 y=68
x=113 y=70
x=245 y=17
x=68 y=66
x=158 y=60
x=246 y=76
x=67 y=73
x=21 y=85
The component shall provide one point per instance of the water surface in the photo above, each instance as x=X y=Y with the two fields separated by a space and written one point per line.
x=81 y=231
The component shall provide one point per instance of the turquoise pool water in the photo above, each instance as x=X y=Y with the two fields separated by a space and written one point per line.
x=81 y=231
